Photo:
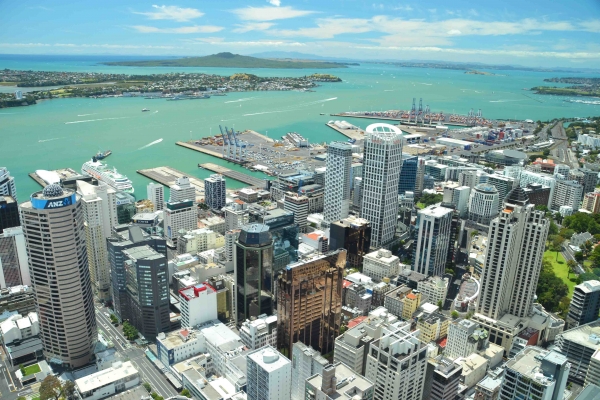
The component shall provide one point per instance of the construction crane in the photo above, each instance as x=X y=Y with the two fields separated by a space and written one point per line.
x=225 y=141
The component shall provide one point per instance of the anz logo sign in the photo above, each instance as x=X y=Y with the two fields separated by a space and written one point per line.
x=54 y=203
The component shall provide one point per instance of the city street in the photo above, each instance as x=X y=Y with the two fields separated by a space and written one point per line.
x=148 y=372
x=569 y=255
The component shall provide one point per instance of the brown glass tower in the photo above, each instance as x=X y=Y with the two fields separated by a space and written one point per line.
x=309 y=302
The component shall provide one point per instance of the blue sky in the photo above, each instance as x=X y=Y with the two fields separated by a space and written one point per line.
x=534 y=32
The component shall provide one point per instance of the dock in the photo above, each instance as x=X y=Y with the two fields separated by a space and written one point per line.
x=356 y=134
x=63 y=173
x=167 y=176
x=200 y=149
x=238 y=176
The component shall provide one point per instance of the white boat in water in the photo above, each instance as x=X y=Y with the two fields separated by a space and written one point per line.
x=107 y=175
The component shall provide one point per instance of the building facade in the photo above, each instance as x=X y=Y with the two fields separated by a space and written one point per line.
x=337 y=181
x=214 y=191
x=381 y=264
x=155 y=192
x=179 y=217
x=198 y=305
x=434 y=225
x=269 y=375
x=585 y=304
x=14 y=264
x=182 y=190
x=352 y=234
x=484 y=204
x=7 y=184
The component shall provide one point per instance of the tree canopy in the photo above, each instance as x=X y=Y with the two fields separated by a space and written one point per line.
x=50 y=388
x=583 y=222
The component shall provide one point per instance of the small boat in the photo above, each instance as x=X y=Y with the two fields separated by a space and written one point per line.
x=102 y=155
x=145 y=109
x=322 y=114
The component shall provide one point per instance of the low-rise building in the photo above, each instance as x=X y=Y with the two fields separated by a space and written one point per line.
x=473 y=369
x=198 y=305
x=337 y=381
x=381 y=264
x=118 y=378
x=177 y=346
x=403 y=302
x=433 y=327
x=434 y=289
x=259 y=332
x=306 y=362
x=579 y=345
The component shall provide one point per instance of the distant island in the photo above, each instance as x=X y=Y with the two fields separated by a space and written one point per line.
x=229 y=60
x=580 y=87
x=475 y=72
x=463 y=66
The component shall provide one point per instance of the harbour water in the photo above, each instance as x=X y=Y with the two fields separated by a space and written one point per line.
x=65 y=133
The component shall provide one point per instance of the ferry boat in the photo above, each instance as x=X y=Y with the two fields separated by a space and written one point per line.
x=102 y=155
x=145 y=109
x=107 y=175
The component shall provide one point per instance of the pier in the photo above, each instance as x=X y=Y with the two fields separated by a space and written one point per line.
x=167 y=176
x=356 y=134
x=200 y=149
x=63 y=173
x=238 y=176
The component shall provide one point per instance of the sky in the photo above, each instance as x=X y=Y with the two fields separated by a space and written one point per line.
x=540 y=33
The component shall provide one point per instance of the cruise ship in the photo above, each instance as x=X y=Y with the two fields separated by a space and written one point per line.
x=109 y=176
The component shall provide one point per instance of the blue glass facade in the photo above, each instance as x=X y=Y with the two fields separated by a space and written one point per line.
x=408 y=174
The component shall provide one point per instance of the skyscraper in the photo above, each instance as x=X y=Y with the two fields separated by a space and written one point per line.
x=434 y=225
x=100 y=216
x=182 y=190
x=14 y=266
x=7 y=184
x=513 y=258
x=214 y=190
x=181 y=216
x=585 y=304
x=253 y=269
x=299 y=206
x=269 y=375
x=156 y=194
x=54 y=231
x=354 y=235
x=381 y=176
x=408 y=173
x=483 y=203
x=309 y=302
x=337 y=181
x=9 y=213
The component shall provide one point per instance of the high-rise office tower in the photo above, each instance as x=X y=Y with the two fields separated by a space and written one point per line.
x=357 y=194
x=253 y=269
x=585 y=304
x=179 y=217
x=483 y=203
x=396 y=364
x=562 y=169
x=587 y=178
x=156 y=194
x=100 y=216
x=9 y=213
x=434 y=225
x=214 y=191
x=182 y=190
x=443 y=376
x=337 y=181
x=147 y=285
x=236 y=215
x=420 y=181
x=566 y=193
x=14 y=266
x=306 y=362
x=458 y=196
x=381 y=176
x=269 y=375
x=535 y=373
x=513 y=258
x=408 y=173
x=299 y=206
x=54 y=231
x=465 y=337
x=7 y=184
x=123 y=238
x=354 y=235
x=309 y=302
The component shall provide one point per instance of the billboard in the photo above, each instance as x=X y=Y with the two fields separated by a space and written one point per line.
x=44 y=204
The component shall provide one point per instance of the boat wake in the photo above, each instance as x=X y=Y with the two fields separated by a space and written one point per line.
x=49 y=140
x=151 y=144
x=239 y=100
x=85 y=115
x=502 y=101
x=266 y=112
x=388 y=90
x=312 y=103
x=428 y=84
x=93 y=120
x=596 y=102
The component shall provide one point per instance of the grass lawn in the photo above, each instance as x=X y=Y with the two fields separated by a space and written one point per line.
x=35 y=398
x=32 y=369
x=560 y=268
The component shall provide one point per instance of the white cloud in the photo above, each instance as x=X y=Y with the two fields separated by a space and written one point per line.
x=276 y=3
x=257 y=43
x=253 y=26
x=172 y=13
x=180 y=30
x=454 y=32
x=99 y=46
x=328 y=28
x=269 y=13
x=403 y=8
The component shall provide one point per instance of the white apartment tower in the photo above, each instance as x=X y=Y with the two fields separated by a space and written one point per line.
x=214 y=191
x=299 y=206
x=236 y=215
x=337 y=181
x=182 y=190
x=180 y=217
x=259 y=332
x=380 y=264
x=269 y=375
x=381 y=177
x=397 y=364
x=566 y=193
x=156 y=194
x=306 y=362
x=484 y=203
x=504 y=184
x=100 y=217
x=198 y=305
x=434 y=225
x=54 y=231
x=472 y=178
x=463 y=338
x=513 y=258
x=7 y=184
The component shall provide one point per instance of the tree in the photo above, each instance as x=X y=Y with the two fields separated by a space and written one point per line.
x=50 y=388
x=69 y=390
x=130 y=332
x=22 y=369
x=440 y=304
x=186 y=393
x=21 y=398
x=147 y=386
x=429 y=199
x=572 y=265
x=550 y=289
x=579 y=256
x=454 y=314
x=469 y=315
x=588 y=276
x=557 y=243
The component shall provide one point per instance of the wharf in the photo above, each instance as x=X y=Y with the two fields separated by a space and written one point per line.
x=200 y=149
x=238 y=176
x=63 y=173
x=356 y=134
x=401 y=120
x=167 y=176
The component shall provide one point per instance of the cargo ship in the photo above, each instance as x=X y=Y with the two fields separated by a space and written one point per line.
x=111 y=177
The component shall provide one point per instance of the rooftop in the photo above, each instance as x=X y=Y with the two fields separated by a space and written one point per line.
x=349 y=383
x=528 y=363
x=102 y=378
x=269 y=359
x=587 y=335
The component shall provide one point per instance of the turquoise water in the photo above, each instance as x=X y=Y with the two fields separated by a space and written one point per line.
x=66 y=132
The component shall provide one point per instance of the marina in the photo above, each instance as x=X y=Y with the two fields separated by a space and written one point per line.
x=167 y=176
x=238 y=176
x=45 y=178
